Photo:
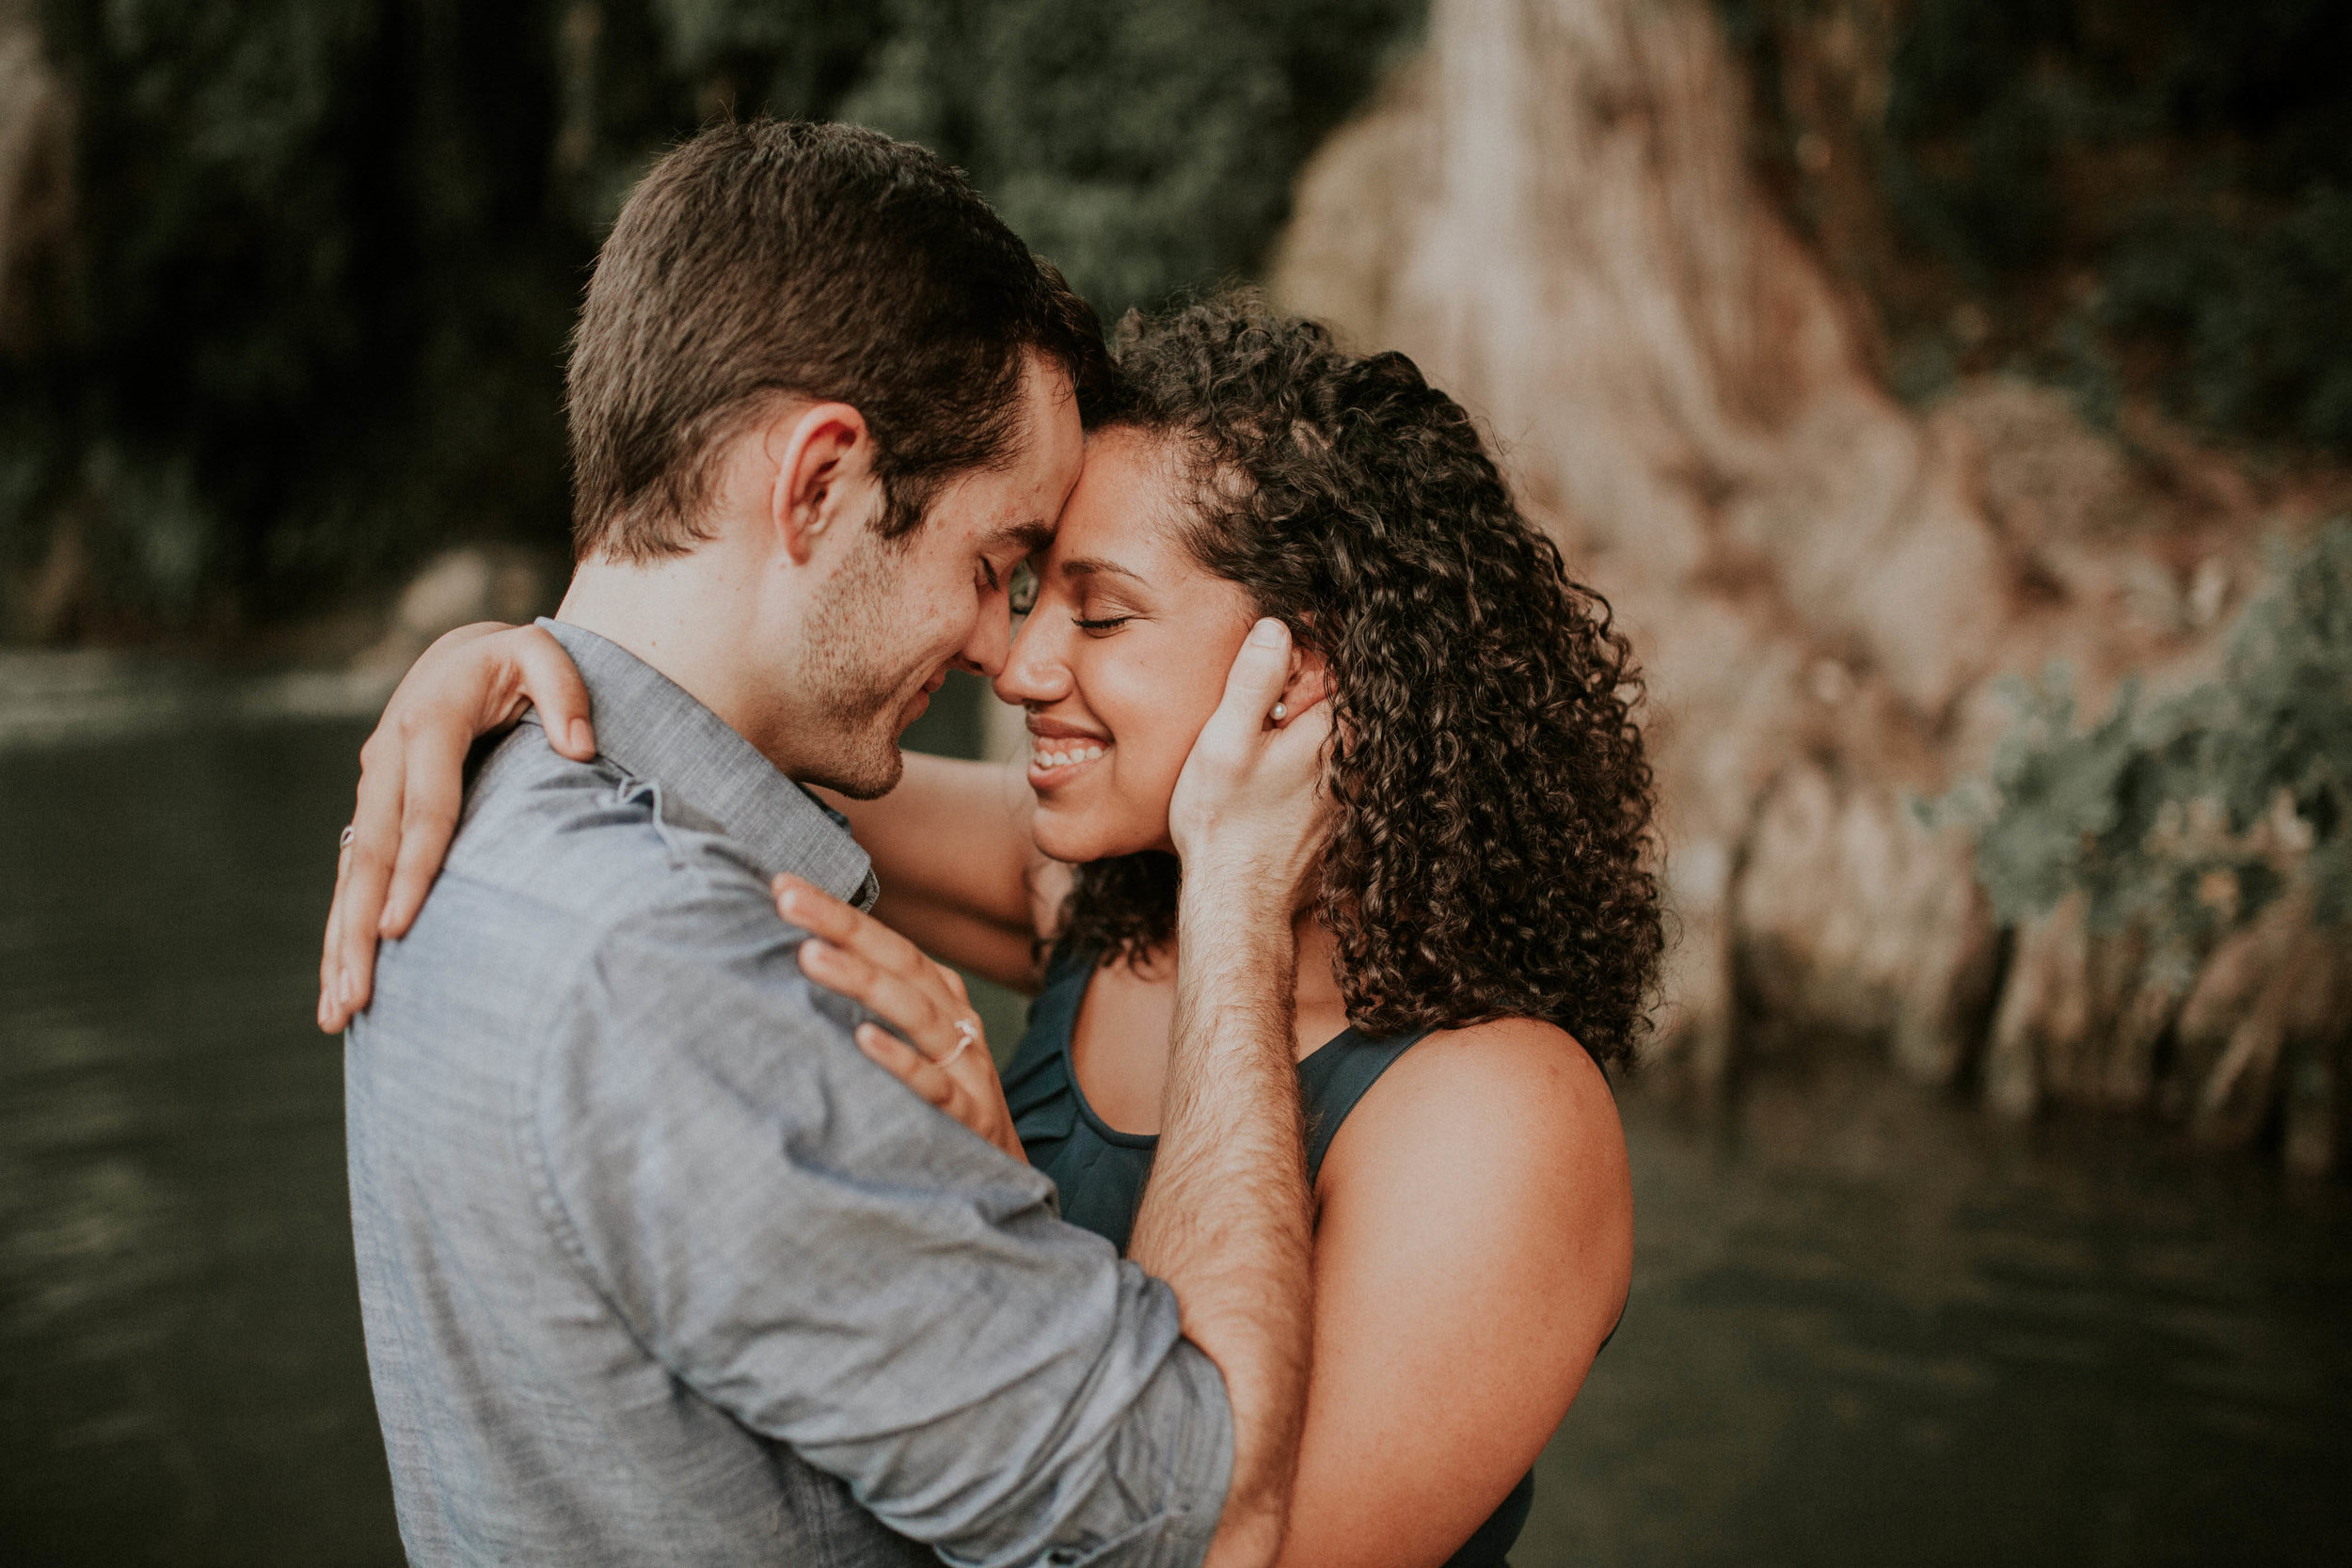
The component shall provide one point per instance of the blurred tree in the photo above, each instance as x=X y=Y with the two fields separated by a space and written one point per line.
x=1145 y=148
x=317 y=311
x=2121 y=196
x=328 y=250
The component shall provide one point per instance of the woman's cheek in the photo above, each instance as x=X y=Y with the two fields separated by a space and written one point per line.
x=1145 y=784
x=1154 y=788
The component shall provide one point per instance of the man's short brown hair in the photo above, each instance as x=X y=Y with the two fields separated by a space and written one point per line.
x=779 y=258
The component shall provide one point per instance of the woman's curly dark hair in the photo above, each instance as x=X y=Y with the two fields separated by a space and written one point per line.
x=1490 y=852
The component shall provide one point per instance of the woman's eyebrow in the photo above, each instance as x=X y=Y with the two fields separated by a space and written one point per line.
x=1089 y=565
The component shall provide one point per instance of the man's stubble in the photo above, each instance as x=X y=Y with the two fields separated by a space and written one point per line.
x=853 y=650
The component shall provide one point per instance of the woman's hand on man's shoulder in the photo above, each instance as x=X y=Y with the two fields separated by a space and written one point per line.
x=472 y=682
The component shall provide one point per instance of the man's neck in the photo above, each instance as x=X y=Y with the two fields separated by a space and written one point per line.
x=696 y=618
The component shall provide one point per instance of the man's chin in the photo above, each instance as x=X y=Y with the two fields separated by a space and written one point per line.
x=866 y=778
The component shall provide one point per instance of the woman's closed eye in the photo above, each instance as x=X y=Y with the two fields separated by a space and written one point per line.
x=1101 y=610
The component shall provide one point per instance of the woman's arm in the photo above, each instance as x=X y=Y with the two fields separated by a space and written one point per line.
x=951 y=844
x=1474 y=1248
x=959 y=873
x=471 y=682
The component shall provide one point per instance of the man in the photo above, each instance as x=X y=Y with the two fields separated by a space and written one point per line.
x=656 y=1267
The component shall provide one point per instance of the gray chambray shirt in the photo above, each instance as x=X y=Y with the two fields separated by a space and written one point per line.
x=657 y=1268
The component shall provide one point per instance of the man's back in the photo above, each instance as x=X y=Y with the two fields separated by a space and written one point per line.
x=502 y=1372
x=657 y=1268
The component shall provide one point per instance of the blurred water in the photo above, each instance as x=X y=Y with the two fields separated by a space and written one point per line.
x=180 y=1365
x=1867 y=1327
x=1873 y=1326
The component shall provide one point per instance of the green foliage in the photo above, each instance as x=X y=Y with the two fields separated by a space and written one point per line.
x=1148 y=149
x=2186 y=813
x=2156 y=192
x=2263 y=320
x=328 y=250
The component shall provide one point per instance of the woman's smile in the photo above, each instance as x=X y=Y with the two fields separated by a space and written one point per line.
x=1058 y=752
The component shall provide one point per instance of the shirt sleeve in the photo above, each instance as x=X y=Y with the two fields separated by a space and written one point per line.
x=808 y=1245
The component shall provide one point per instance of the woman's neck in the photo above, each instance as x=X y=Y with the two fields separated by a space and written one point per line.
x=1317 y=990
x=1318 y=984
x=1320 y=1008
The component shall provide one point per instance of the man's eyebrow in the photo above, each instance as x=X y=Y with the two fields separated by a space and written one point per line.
x=1029 y=537
x=1087 y=565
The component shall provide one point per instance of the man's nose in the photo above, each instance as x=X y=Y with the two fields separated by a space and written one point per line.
x=984 y=651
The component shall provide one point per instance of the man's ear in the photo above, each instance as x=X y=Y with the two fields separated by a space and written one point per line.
x=825 y=474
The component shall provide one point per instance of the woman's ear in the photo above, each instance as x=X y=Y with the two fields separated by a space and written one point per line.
x=1309 y=682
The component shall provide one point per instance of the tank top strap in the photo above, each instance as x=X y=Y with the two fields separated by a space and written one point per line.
x=1333 y=1079
x=1039 y=1089
x=1066 y=962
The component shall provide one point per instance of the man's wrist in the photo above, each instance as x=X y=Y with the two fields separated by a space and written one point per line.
x=1235 y=891
x=1238 y=996
x=1233 y=958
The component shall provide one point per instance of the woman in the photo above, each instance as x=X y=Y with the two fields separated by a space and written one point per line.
x=1484 y=938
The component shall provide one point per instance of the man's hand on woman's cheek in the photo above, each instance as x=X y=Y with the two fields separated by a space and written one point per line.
x=1249 y=803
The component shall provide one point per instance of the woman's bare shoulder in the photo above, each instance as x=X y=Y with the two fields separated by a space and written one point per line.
x=1481 y=1181
x=1511 y=1118
x=1516 y=1074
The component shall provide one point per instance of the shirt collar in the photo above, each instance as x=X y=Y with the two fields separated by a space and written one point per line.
x=649 y=725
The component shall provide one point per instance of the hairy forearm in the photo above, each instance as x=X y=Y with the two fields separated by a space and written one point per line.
x=1224 y=1220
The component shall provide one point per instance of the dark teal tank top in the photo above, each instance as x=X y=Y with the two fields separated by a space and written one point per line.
x=1101 y=1171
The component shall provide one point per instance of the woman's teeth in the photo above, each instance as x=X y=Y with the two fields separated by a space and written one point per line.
x=1065 y=754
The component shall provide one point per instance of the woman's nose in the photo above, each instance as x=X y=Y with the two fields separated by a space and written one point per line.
x=1034 y=671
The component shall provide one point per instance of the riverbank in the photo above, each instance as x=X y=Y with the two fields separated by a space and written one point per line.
x=52 y=699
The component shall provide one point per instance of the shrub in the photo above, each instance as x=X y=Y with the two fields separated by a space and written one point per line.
x=2187 y=814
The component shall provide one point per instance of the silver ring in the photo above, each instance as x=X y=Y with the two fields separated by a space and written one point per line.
x=967 y=1035
x=350 y=829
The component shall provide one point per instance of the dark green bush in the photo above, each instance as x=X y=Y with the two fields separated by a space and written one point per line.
x=328 y=250
x=2150 y=193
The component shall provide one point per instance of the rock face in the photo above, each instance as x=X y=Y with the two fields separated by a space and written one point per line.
x=1551 y=213
x=475 y=583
